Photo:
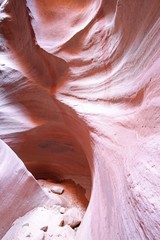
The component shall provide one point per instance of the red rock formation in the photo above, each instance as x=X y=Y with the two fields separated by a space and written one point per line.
x=80 y=99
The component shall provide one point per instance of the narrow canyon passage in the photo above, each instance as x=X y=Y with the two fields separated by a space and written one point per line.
x=80 y=109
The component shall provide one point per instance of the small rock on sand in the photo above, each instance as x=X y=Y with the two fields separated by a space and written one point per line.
x=72 y=217
x=44 y=229
x=57 y=190
x=62 y=210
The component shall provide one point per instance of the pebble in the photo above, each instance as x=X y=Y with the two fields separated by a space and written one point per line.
x=62 y=210
x=25 y=225
x=57 y=190
x=61 y=223
x=72 y=217
x=44 y=229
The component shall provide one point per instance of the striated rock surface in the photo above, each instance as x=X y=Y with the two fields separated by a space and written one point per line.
x=80 y=99
x=19 y=191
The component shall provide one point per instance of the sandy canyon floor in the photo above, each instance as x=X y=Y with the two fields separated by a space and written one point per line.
x=47 y=222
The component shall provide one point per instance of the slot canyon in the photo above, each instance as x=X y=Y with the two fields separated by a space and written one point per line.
x=80 y=119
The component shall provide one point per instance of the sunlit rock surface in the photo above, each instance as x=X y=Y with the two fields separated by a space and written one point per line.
x=80 y=99
x=18 y=189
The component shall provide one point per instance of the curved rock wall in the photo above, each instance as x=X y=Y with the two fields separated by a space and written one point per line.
x=80 y=99
x=19 y=191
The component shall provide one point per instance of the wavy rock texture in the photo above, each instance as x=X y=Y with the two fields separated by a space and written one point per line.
x=19 y=191
x=80 y=99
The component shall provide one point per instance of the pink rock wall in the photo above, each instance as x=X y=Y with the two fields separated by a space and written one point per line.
x=80 y=99
x=19 y=192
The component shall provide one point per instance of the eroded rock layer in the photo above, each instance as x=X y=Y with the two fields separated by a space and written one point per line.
x=79 y=99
